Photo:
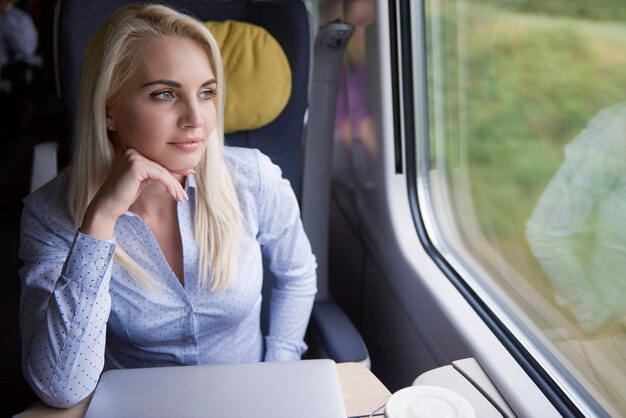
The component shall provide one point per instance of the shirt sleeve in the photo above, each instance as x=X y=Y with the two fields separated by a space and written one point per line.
x=562 y=231
x=288 y=251
x=64 y=307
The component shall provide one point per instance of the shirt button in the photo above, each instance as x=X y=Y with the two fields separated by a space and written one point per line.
x=77 y=332
x=187 y=309
x=189 y=340
x=99 y=263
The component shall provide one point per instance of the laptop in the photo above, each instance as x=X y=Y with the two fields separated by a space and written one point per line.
x=304 y=389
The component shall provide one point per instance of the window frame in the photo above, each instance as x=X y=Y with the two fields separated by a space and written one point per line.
x=408 y=23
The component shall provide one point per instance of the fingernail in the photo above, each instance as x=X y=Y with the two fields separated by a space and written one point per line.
x=193 y=171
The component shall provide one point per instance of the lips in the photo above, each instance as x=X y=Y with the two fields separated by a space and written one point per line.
x=188 y=144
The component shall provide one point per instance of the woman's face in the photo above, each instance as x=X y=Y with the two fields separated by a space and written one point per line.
x=166 y=109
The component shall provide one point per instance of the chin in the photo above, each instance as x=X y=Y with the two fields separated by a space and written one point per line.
x=189 y=164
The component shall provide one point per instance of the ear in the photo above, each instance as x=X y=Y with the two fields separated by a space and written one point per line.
x=109 y=120
x=109 y=114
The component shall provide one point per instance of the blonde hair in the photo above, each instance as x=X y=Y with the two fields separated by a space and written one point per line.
x=109 y=60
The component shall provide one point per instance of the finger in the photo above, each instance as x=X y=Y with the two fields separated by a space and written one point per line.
x=152 y=172
x=181 y=194
x=161 y=174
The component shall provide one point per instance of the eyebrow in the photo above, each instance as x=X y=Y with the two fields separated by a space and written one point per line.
x=176 y=84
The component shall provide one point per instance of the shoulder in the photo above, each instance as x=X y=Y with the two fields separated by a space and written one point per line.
x=595 y=156
x=237 y=158
x=246 y=159
x=49 y=202
x=51 y=193
x=259 y=183
x=250 y=167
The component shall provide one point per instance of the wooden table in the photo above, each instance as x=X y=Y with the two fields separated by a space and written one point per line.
x=362 y=392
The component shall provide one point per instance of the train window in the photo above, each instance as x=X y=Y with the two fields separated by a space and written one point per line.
x=526 y=172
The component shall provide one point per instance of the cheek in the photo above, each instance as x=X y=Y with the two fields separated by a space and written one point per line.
x=137 y=125
x=211 y=115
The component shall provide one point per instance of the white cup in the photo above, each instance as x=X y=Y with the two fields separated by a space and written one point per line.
x=426 y=401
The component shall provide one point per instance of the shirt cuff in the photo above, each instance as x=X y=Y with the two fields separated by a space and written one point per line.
x=88 y=259
x=279 y=349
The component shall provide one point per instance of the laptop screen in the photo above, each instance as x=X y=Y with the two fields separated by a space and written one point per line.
x=304 y=389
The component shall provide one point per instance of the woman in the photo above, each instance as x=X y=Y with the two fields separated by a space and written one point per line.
x=577 y=230
x=147 y=250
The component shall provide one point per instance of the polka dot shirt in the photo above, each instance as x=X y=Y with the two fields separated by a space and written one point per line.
x=80 y=313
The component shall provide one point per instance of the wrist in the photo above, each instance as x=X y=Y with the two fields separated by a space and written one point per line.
x=98 y=224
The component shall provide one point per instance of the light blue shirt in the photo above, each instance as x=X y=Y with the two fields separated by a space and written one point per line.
x=577 y=230
x=81 y=313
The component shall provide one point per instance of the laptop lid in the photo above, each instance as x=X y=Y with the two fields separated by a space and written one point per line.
x=304 y=389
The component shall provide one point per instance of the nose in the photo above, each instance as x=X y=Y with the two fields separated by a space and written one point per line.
x=191 y=115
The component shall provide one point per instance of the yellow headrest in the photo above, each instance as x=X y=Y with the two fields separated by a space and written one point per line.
x=258 y=76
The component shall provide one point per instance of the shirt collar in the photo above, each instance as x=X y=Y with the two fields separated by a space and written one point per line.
x=190 y=182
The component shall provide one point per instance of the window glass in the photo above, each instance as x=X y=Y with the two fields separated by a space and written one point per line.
x=527 y=173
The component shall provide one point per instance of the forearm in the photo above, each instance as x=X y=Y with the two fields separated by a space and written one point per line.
x=288 y=250
x=290 y=310
x=64 y=342
x=562 y=258
x=98 y=222
x=574 y=288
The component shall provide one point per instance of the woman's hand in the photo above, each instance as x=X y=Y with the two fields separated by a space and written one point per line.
x=130 y=174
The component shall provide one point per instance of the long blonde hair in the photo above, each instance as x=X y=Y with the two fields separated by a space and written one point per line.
x=109 y=60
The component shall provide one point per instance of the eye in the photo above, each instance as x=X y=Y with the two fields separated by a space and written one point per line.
x=208 y=94
x=163 y=95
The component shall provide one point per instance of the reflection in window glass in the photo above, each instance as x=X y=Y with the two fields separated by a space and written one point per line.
x=527 y=114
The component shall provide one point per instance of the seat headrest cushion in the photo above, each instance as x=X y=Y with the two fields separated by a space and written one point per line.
x=258 y=76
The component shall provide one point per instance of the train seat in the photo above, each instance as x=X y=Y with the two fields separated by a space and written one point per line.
x=301 y=150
